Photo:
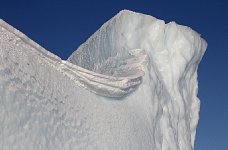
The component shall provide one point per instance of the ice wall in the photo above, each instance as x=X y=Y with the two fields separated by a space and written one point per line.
x=174 y=52
x=131 y=85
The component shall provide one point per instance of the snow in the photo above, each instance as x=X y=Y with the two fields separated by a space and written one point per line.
x=131 y=85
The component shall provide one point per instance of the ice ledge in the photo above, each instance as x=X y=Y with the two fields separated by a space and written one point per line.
x=110 y=86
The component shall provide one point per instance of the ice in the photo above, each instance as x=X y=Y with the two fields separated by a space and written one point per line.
x=131 y=85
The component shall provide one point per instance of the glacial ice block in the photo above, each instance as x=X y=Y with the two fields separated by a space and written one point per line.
x=131 y=85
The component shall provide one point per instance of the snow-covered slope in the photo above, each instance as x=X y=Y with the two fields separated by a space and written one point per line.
x=132 y=85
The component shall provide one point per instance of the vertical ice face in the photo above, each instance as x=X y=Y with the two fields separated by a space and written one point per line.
x=131 y=85
x=170 y=84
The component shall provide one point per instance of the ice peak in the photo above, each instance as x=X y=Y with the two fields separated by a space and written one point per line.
x=130 y=30
x=125 y=11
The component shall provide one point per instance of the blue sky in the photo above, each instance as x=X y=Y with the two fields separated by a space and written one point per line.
x=61 y=26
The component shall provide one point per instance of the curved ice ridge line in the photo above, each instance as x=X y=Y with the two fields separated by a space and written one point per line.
x=110 y=86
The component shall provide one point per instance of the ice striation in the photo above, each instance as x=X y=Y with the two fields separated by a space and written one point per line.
x=131 y=85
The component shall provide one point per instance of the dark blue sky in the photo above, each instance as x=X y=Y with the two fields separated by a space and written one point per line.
x=61 y=26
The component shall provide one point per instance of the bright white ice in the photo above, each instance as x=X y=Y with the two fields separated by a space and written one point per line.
x=131 y=85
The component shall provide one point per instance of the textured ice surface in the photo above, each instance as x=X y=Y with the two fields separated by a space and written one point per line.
x=131 y=85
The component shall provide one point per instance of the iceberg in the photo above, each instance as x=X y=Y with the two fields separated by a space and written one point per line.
x=131 y=85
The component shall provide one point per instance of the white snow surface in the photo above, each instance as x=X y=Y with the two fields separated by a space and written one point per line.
x=131 y=85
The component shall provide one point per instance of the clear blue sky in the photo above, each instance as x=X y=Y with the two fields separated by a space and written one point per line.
x=61 y=26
